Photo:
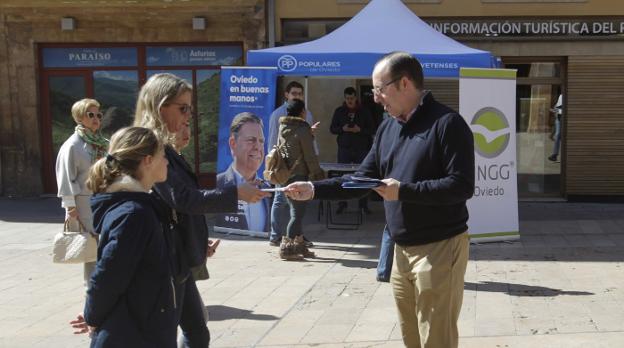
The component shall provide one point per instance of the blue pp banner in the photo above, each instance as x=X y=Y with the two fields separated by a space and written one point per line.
x=250 y=89
x=361 y=64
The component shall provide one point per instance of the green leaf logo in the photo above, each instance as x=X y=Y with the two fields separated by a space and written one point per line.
x=491 y=132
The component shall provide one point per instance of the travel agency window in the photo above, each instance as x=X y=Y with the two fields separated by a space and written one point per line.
x=112 y=74
x=539 y=125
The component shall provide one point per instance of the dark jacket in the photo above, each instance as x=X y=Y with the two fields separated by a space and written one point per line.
x=297 y=136
x=360 y=141
x=181 y=192
x=432 y=155
x=131 y=299
x=229 y=178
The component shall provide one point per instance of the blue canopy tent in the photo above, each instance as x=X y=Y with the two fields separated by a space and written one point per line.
x=379 y=28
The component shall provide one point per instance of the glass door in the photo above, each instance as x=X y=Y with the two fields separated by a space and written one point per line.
x=538 y=127
x=59 y=91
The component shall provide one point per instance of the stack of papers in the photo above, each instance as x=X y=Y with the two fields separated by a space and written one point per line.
x=361 y=182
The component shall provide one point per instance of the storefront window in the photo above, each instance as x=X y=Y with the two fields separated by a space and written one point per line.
x=64 y=91
x=208 y=82
x=116 y=91
x=112 y=76
x=539 y=85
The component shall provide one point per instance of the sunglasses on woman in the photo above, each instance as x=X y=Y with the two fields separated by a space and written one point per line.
x=184 y=108
x=93 y=114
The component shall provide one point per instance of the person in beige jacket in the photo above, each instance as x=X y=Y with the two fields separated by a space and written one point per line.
x=296 y=136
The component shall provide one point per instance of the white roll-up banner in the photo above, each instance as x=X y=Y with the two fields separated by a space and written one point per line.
x=487 y=101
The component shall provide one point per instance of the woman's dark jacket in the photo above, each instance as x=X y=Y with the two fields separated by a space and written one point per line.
x=131 y=298
x=181 y=192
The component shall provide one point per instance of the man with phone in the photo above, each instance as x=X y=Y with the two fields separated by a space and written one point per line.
x=354 y=128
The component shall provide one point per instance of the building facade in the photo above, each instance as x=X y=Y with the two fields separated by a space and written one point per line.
x=53 y=53
x=568 y=48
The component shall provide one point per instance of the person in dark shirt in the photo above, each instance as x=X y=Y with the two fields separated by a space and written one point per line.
x=424 y=154
x=353 y=126
x=165 y=105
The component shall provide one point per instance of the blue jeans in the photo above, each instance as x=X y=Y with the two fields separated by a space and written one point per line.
x=279 y=216
x=297 y=212
x=386 y=256
x=557 y=137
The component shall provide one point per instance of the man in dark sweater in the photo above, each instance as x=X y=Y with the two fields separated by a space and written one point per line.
x=353 y=126
x=424 y=154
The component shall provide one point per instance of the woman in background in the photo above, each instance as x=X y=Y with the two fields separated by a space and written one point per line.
x=298 y=140
x=75 y=157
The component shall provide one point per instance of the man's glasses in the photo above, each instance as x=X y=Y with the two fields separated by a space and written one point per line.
x=380 y=90
x=184 y=108
x=95 y=114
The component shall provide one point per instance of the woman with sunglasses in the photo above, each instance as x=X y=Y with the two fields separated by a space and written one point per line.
x=164 y=105
x=75 y=157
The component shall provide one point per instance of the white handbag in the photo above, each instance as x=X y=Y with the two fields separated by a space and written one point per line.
x=74 y=246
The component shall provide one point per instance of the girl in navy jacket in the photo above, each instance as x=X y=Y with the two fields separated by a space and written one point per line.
x=131 y=301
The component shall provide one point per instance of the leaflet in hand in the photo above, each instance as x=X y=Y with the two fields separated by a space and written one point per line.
x=361 y=182
x=276 y=189
x=360 y=185
x=365 y=179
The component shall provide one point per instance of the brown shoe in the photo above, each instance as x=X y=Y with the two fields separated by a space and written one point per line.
x=301 y=248
x=287 y=250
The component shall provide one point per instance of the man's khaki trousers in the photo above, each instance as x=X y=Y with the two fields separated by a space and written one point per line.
x=428 y=286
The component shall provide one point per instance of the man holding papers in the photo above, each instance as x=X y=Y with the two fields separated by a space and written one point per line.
x=424 y=155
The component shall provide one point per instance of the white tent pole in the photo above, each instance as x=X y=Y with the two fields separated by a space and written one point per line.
x=305 y=90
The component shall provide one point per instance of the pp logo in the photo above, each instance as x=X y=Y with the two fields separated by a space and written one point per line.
x=491 y=132
x=287 y=63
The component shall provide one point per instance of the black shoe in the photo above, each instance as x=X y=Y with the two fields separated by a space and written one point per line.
x=307 y=242
x=552 y=158
x=341 y=208
x=275 y=242
x=383 y=280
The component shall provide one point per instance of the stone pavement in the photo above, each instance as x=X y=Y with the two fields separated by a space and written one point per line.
x=561 y=285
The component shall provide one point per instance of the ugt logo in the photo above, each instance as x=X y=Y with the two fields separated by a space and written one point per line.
x=287 y=63
x=491 y=132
